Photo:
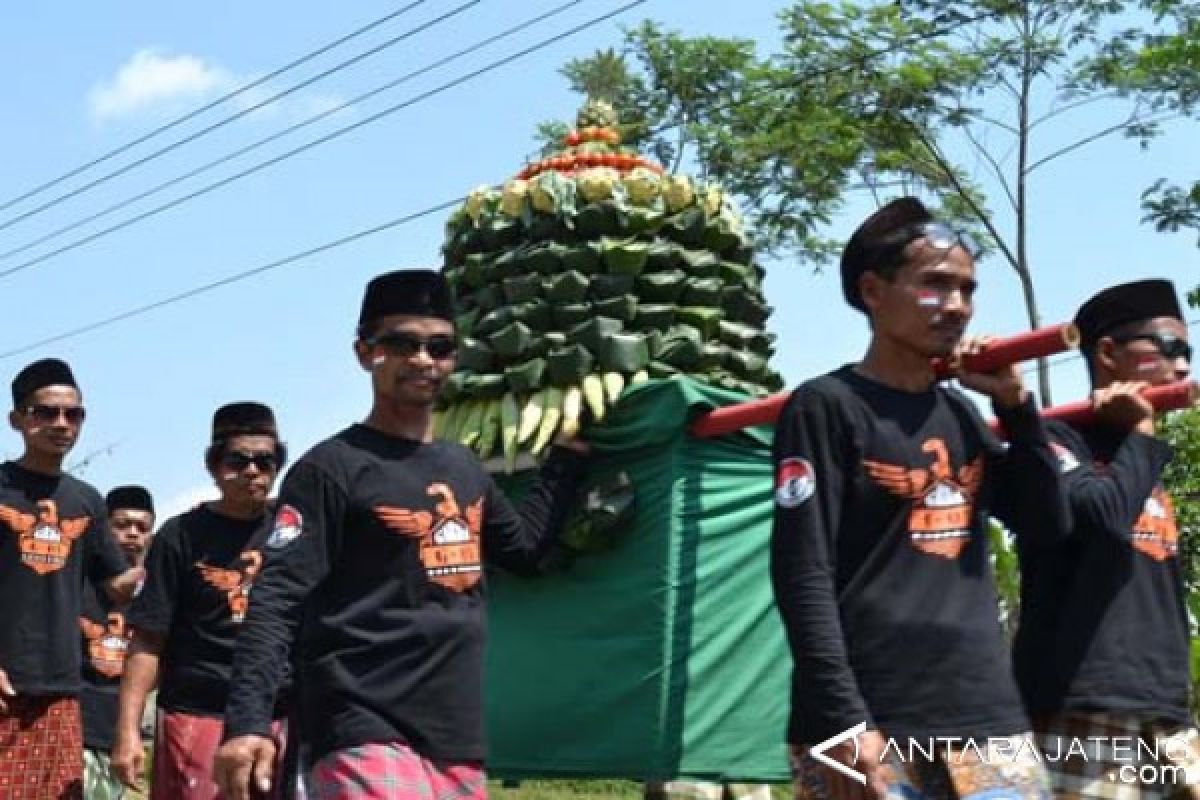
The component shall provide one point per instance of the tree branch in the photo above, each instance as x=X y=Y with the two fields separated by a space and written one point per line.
x=1060 y=110
x=962 y=192
x=1062 y=151
x=996 y=168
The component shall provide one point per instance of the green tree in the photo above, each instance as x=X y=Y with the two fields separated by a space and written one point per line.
x=1158 y=65
x=877 y=97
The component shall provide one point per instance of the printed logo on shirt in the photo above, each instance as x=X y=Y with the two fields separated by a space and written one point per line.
x=795 y=482
x=288 y=525
x=943 y=500
x=107 y=643
x=44 y=540
x=234 y=583
x=449 y=537
x=1066 y=459
x=1155 y=533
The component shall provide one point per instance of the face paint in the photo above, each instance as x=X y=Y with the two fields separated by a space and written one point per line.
x=928 y=298
x=1148 y=363
x=379 y=360
x=229 y=476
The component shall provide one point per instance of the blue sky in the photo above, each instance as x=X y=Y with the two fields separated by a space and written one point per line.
x=84 y=78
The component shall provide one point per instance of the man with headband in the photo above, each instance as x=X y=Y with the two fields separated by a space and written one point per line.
x=53 y=535
x=375 y=570
x=187 y=617
x=884 y=484
x=105 y=638
x=1102 y=646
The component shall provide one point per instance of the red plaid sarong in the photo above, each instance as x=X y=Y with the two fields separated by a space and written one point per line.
x=184 y=748
x=393 y=771
x=41 y=749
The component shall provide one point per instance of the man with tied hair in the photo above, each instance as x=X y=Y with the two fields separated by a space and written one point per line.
x=879 y=555
x=53 y=534
x=105 y=640
x=375 y=572
x=1102 y=646
x=187 y=616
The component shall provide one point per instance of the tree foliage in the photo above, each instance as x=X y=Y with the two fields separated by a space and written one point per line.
x=885 y=98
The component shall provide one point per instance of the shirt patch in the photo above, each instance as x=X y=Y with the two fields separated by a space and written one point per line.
x=43 y=539
x=1067 y=461
x=943 y=499
x=449 y=537
x=289 y=524
x=1155 y=533
x=234 y=583
x=795 y=482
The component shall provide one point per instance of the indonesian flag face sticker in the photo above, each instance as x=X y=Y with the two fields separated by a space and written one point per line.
x=795 y=482
x=288 y=526
x=1149 y=363
x=929 y=298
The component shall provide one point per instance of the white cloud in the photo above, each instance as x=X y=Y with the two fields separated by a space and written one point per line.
x=152 y=80
x=155 y=83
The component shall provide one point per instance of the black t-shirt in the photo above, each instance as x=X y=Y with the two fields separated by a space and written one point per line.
x=105 y=637
x=53 y=534
x=198 y=575
x=1103 y=617
x=376 y=555
x=879 y=556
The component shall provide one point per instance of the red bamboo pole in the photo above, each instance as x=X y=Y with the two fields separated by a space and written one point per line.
x=1002 y=352
x=1037 y=343
x=1168 y=397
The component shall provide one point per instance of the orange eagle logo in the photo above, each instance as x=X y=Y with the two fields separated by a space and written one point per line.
x=107 y=643
x=449 y=536
x=235 y=583
x=942 y=499
x=44 y=540
x=1155 y=533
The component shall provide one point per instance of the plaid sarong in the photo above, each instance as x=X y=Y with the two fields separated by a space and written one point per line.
x=1009 y=772
x=393 y=771
x=1119 y=756
x=41 y=749
x=184 y=748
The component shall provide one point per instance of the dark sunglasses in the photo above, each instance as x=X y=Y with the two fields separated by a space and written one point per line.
x=49 y=414
x=237 y=460
x=406 y=345
x=1171 y=347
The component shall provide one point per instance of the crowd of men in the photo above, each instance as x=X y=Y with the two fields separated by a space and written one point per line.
x=354 y=668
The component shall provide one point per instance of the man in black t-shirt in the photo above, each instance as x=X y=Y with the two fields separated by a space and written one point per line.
x=186 y=618
x=1102 y=646
x=879 y=553
x=375 y=570
x=53 y=534
x=104 y=636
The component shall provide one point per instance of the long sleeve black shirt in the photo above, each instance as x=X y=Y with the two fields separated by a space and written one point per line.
x=880 y=557
x=377 y=560
x=1103 y=622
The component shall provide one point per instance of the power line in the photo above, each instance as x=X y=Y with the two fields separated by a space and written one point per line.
x=77 y=243
x=296 y=257
x=221 y=123
x=238 y=153
x=213 y=104
x=392 y=109
x=231 y=279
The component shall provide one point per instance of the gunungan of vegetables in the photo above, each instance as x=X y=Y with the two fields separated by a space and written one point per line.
x=590 y=270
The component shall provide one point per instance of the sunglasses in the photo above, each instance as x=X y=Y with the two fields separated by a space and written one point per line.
x=939 y=235
x=237 y=460
x=47 y=415
x=1171 y=347
x=406 y=345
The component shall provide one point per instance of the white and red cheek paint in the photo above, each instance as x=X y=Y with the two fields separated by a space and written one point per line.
x=1147 y=364
x=379 y=360
x=929 y=298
